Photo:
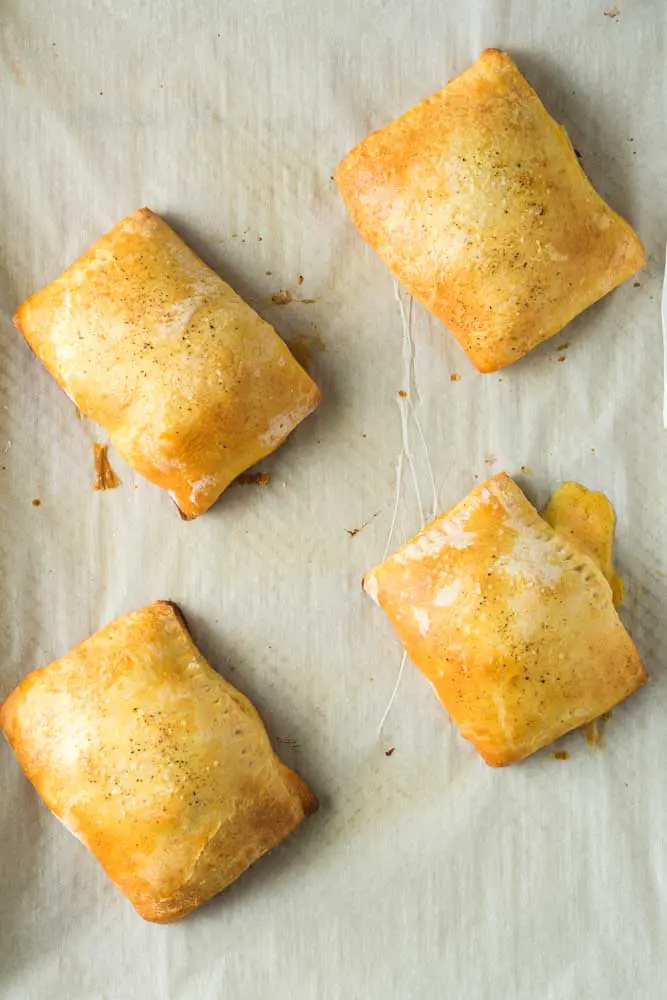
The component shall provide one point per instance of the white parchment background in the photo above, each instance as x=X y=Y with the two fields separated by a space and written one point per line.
x=425 y=875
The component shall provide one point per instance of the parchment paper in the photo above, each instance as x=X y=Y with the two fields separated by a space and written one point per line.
x=425 y=874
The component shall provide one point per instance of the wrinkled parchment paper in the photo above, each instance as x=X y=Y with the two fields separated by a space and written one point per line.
x=425 y=874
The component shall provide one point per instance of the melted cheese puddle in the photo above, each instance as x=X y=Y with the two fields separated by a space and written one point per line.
x=587 y=520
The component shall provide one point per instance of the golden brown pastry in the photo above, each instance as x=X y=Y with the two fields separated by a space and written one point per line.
x=476 y=201
x=158 y=765
x=513 y=625
x=191 y=385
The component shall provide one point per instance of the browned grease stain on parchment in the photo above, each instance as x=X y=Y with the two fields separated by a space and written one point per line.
x=594 y=732
x=105 y=477
x=304 y=346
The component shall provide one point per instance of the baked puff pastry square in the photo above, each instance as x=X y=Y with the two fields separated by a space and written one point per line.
x=191 y=385
x=515 y=627
x=476 y=202
x=158 y=765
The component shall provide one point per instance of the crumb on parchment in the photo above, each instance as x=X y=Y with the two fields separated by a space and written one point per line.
x=256 y=478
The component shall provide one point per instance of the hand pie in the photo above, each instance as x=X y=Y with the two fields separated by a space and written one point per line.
x=513 y=625
x=158 y=765
x=477 y=203
x=191 y=385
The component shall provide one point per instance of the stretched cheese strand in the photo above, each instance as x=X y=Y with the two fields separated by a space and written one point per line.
x=407 y=353
x=406 y=410
x=664 y=339
x=411 y=386
x=392 y=697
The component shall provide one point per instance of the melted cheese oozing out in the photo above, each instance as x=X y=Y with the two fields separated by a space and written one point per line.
x=587 y=520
